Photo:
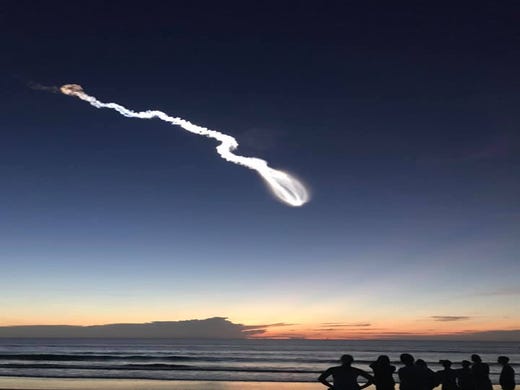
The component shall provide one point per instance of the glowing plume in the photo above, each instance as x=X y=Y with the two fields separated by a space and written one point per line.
x=285 y=187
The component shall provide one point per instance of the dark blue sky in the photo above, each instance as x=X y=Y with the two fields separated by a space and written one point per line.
x=403 y=120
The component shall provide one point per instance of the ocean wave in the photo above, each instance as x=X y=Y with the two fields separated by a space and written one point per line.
x=184 y=358
x=90 y=357
x=153 y=367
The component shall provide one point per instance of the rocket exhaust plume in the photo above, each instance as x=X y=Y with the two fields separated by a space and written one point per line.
x=41 y=87
x=288 y=189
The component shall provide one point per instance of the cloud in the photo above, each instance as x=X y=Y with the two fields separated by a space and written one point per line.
x=222 y=327
x=488 y=335
x=278 y=324
x=216 y=327
x=346 y=325
x=449 y=318
x=466 y=335
x=259 y=330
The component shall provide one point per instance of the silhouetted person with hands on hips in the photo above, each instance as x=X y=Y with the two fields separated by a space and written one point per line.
x=465 y=377
x=507 y=375
x=447 y=377
x=480 y=372
x=345 y=377
x=427 y=377
x=383 y=373
x=409 y=375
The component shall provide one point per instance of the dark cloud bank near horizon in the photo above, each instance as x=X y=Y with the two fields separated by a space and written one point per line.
x=211 y=328
x=216 y=327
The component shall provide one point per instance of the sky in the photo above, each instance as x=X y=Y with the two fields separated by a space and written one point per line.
x=402 y=120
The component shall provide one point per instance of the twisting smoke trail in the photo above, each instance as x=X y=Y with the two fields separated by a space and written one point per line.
x=285 y=187
x=41 y=87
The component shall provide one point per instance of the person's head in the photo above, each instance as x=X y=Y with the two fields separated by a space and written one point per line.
x=503 y=360
x=475 y=358
x=445 y=363
x=466 y=363
x=383 y=360
x=346 y=360
x=407 y=359
x=420 y=363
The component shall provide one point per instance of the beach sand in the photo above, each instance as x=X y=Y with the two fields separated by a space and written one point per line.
x=13 y=383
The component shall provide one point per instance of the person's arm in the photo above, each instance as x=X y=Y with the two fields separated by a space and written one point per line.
x=368 y=377
x=323 y=378
x=509 y=375
x=437 y=378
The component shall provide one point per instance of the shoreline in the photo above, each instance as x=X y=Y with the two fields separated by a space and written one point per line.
x=36 y=383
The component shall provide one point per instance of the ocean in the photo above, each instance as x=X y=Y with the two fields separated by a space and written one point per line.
x=225 y=360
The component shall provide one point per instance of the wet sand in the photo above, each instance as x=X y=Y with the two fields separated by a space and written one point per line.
x=12 y=383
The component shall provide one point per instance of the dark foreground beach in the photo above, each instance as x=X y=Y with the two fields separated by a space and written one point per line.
x=12 y=383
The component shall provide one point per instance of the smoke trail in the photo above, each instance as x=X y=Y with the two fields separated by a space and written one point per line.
x=41 y=87
x=285 y=187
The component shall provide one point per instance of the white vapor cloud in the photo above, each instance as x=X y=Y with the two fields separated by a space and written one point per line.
x=285 y=187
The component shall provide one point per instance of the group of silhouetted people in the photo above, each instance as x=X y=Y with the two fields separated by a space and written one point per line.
x=416 y=375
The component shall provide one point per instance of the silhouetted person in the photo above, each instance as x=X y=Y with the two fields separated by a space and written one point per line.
x=409 y=375
x=427 y=377
x=447 y=377
x=465 y=377
x=383 y=373
x=507 y=375
x=345 y=377
x=480 y=372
